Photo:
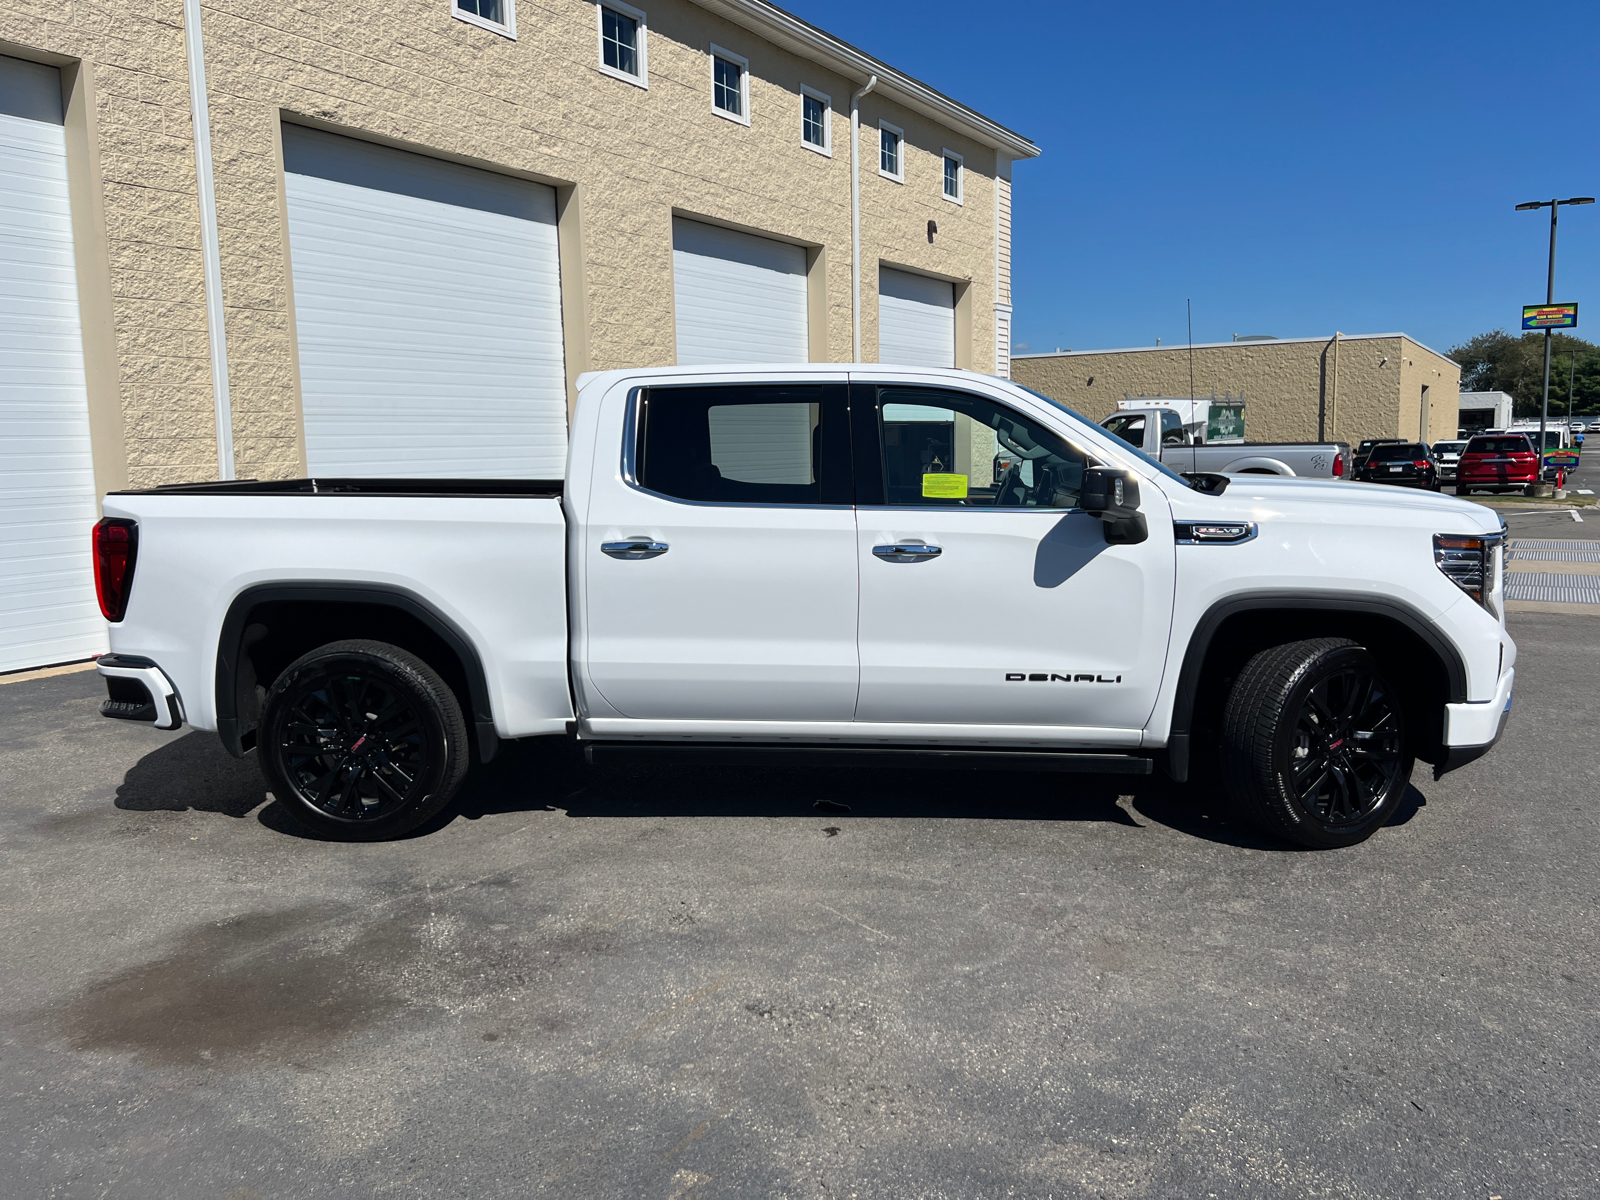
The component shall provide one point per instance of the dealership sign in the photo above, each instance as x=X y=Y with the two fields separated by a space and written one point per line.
x=1549 y=316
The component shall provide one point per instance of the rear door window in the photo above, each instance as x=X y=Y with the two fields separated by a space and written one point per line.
x=1400 y=453
x=780 y=444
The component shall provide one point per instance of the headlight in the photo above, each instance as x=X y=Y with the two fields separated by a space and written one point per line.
x=1468 y=562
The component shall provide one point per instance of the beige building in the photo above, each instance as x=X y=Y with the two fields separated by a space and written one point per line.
x=1345 y=388
x=408 y=226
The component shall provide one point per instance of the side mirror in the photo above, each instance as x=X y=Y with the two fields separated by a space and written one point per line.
x=1113 y=496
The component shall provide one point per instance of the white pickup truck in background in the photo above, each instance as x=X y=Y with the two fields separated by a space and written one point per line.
x=1161 y=432
x=893 y=565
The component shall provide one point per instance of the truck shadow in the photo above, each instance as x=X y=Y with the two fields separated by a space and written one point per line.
x=194 y=773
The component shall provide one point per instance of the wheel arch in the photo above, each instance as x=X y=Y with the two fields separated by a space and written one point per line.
x=1257 y=465
x=269 y=625
x=1238 y=626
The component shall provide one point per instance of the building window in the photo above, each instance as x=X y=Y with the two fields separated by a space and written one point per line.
x=498 y=16
x=730 y=85
x=623 y=52
x=816 y=126
x=891 y=160
x=953 y=171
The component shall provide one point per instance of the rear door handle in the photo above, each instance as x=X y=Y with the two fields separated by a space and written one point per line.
x=907 y=552
x=635 y=548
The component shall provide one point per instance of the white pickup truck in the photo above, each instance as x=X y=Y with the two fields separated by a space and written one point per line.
x=892 y=565
x=1161 y=433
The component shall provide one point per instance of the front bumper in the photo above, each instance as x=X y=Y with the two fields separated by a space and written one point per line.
x=1471 y=730
x=138 y=690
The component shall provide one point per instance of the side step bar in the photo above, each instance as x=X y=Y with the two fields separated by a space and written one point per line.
x=903 y=757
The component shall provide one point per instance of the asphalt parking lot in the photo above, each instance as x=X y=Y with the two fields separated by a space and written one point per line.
x=668 y=983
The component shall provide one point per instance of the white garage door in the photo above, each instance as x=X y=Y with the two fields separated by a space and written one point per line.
x=738 y=298
x=428 y=307
x=916 y=320
x=48 y=612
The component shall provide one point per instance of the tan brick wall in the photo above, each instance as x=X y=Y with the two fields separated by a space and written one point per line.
x=407 y=73
x=133 y=51
x=1285 y=384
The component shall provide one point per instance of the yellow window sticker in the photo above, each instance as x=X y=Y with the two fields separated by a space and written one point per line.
x=944 y=487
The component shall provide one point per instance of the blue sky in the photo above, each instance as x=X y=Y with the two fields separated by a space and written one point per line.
x=1292 y=168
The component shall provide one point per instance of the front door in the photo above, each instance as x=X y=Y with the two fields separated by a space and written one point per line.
x=720 y=565
x=987 y=598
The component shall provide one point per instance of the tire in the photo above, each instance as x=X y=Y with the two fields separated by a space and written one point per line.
x=1294 y=751
x=1463 y=491
x=328 y=706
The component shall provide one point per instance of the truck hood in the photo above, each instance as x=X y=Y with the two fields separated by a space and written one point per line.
x=1326 y=501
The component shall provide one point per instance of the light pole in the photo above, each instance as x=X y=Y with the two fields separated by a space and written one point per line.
x=1549 y=298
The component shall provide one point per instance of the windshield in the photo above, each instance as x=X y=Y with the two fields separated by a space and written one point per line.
x=1401 y=453
x=1500 y=445
x=1131 y=449
x=1448 y=447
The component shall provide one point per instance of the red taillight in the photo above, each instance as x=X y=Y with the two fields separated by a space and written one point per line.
x=116 y=544
x=1338 y=465
x=1420 y=463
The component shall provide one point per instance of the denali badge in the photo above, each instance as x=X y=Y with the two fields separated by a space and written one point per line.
x=1052 y=677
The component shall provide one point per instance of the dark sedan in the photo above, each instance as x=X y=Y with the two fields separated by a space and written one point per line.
x=1409 y=464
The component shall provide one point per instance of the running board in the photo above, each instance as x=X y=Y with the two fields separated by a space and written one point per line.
x=904 y=757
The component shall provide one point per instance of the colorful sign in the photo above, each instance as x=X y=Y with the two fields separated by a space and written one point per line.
x=944 y=486
x=1565 y=459
x=1549 y=316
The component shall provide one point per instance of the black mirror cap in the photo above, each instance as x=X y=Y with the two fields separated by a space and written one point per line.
x=1109 y=494
x=1125 y=531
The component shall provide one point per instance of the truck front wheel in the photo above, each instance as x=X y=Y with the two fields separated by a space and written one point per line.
x=1314 y=743
x=362 y=741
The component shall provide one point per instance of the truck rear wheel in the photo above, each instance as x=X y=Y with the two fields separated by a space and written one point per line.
x=1314 y=743
x=362 y=741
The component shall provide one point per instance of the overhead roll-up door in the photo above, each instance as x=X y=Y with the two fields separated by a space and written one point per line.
x=48 y=612
x=916 y=320
x=428 y=310
x=738 y=297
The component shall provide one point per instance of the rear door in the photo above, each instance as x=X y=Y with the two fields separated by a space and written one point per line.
x=720 y=564
x=987 y=596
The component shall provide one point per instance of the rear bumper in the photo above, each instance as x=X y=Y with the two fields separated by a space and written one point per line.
x=1471 y=730
x=138 y=690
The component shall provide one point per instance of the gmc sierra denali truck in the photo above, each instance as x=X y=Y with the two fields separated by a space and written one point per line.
x=893 y=565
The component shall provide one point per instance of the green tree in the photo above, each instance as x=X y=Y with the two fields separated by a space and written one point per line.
x=1501 y=362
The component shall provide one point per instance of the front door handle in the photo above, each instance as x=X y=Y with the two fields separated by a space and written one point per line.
x=634 y=548
x=907 y=552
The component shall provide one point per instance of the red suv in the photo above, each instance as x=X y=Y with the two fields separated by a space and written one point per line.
x=1501 y=463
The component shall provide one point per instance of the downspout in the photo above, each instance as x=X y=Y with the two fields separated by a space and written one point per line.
x=210 y=255
x=855 y=215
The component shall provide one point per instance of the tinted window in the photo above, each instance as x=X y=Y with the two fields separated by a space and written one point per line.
x=957 y=449
x=1400 y=453
x=735 y=445
x=1129 y=429
x=1500 y=445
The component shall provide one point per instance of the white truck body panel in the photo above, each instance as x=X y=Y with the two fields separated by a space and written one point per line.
x=493 y=567
x=778 y=622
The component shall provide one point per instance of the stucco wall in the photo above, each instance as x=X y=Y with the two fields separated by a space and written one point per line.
x=624 y=160
x=1286 y=384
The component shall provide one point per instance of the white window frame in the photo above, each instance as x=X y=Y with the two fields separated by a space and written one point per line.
x=961 y=177
x=743 y=64
x=826 y=149
x=508 y=30
x=641 y=48
x=900 y=155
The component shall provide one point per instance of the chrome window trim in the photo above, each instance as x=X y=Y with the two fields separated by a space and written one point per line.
x=983 y=508
x=630 y=452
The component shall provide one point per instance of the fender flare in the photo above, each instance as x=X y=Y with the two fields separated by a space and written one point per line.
x=1273 y=466
x=1205 y=629
x=230 y=649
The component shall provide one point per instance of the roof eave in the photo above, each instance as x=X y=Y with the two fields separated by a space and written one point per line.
x=809 y=42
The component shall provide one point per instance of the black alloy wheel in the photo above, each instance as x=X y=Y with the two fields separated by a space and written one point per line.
x=1315 y=744
x=362 y=740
